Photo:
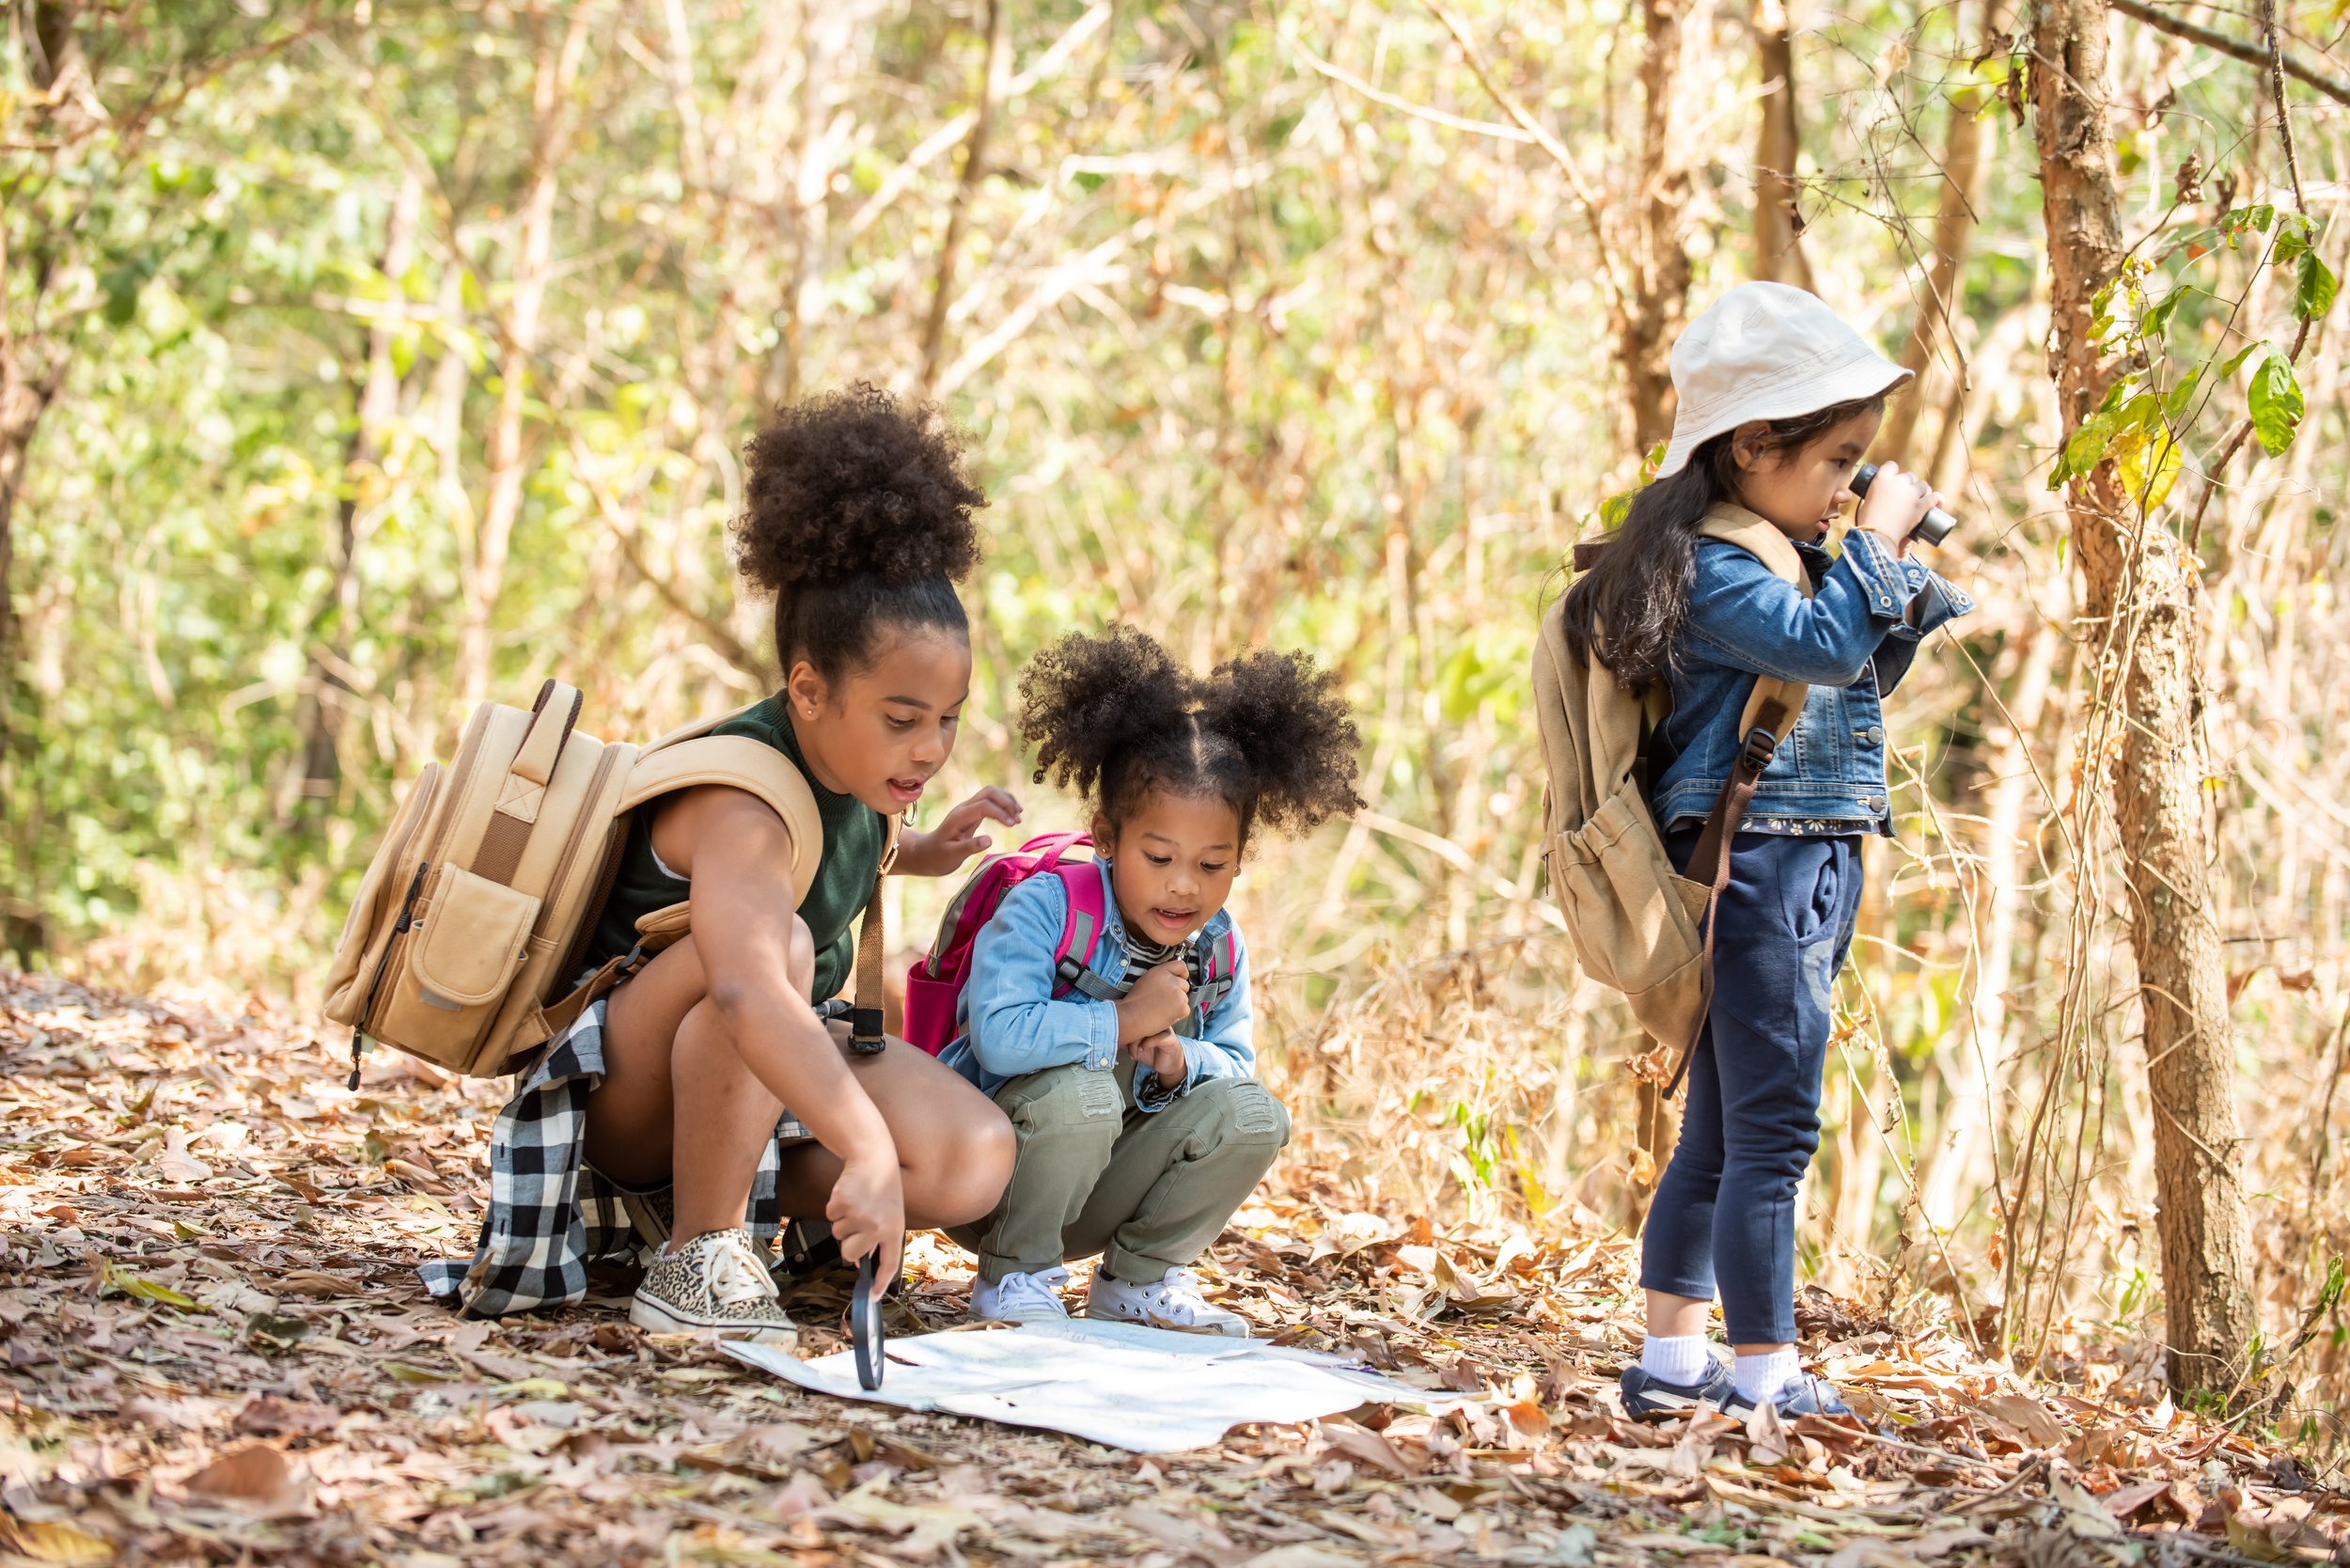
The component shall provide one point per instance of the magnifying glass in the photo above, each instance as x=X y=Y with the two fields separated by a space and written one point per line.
x=865 y=1325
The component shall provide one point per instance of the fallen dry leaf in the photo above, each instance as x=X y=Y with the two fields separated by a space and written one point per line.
x=398 y=1434
x=259 y=1477
x=56 y=1540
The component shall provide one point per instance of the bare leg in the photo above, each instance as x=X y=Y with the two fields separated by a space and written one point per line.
x=955 y=1148
x=1674 y=1316
x=677 y=1100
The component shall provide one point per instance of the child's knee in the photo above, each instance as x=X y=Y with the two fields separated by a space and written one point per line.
x=1074 y=1104
x=1242 y=1113
x=986 y=1148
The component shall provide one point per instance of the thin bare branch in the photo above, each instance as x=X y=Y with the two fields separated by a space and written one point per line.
x=2250 y=53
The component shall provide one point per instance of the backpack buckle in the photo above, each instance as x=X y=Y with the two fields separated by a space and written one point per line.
x=866 y=1037
x=1762 y=745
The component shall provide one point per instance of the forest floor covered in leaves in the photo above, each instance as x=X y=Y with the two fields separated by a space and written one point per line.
x=217 y=1350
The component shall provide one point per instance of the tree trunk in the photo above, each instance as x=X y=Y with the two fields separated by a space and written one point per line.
x=32 y=368
x=2142 y=604
x=1660 y=271
x=1779 y=256
x=1968 y=1057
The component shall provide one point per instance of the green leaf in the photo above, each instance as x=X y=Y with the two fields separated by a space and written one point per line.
x=2086 y=448
x=2175 y=400
x=2141 y=413
x=2236 y=360
x=121 y=287
x=2314 y=287
x=2275 y=404
x=2157 y=319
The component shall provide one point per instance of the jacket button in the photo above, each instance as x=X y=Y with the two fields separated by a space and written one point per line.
x=1875 y=733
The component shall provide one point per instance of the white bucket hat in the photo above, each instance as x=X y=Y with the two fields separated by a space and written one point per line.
x=1765 y=351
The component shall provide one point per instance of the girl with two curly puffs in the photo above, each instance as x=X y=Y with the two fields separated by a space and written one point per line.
x=1140 y=1126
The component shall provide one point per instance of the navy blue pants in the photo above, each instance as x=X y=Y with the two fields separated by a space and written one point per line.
x=1724 y=1212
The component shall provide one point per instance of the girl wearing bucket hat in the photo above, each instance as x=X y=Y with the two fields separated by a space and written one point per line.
x=1778 y=399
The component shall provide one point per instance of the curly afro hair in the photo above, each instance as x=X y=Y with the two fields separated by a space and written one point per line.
x=1116 y=719
x=858 y=514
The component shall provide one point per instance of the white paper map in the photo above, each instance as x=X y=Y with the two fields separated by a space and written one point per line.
x=1149 y=1390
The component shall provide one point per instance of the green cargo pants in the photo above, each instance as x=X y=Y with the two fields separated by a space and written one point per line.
x=1093 y=1174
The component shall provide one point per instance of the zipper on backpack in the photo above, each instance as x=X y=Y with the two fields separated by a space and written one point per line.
x=400 y=928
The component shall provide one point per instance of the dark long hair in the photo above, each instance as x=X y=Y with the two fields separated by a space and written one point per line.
x=1627 y=610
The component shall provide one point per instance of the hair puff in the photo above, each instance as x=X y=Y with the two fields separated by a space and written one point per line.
x=1283 y=713
x=1084 y=702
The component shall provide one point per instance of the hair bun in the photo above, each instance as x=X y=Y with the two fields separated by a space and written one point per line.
x=855 y=484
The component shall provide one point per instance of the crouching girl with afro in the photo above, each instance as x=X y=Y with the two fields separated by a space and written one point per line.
x=1131 y=1088
x=710 y=1098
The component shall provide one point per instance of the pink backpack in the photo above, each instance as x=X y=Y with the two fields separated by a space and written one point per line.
x=934 y=987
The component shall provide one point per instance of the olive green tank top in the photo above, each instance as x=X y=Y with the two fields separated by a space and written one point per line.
x=855 y=837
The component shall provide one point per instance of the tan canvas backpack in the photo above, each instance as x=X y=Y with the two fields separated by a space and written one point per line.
x=1638 y=926
x=465 y=943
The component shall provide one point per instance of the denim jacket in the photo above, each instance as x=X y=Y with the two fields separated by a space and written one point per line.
x=1851 y=641
x=1014 y=1026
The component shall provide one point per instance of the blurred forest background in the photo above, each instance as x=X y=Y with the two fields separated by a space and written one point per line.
x=362 y=359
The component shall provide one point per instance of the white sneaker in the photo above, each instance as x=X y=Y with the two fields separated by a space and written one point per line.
x=1020 y=1298
x=1174 y=1302
x=716 y=1286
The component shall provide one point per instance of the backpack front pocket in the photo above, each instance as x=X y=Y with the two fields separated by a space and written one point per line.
x=470 y=941
x=1634 y=920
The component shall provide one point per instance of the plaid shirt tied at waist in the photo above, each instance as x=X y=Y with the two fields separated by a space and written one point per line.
x=551 y=1213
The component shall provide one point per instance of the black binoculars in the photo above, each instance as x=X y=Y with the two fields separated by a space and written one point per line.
x=1933 y=529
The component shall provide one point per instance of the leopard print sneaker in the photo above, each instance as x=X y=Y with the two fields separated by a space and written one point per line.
x=715 y=1285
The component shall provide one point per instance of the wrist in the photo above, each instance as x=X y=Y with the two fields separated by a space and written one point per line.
x=869 y=1147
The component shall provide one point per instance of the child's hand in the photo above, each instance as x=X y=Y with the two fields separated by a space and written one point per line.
x=1160 y=1000
x=957 y=837
x=1895 y=504
x=1163 y=1054
x=867 y=1209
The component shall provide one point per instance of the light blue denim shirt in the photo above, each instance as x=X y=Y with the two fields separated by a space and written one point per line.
x=1014 y=1026
x=1851 y=641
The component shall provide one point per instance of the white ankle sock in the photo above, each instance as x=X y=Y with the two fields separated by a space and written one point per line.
x=1761 y=1377
x=1675 y=1357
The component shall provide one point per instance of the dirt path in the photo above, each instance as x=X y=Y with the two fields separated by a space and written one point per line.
x=217 y=1351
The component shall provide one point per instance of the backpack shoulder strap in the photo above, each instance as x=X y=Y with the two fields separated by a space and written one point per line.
x=671 y=764
x=1213 y=971
x=1081 y=927
x=1759 y=537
